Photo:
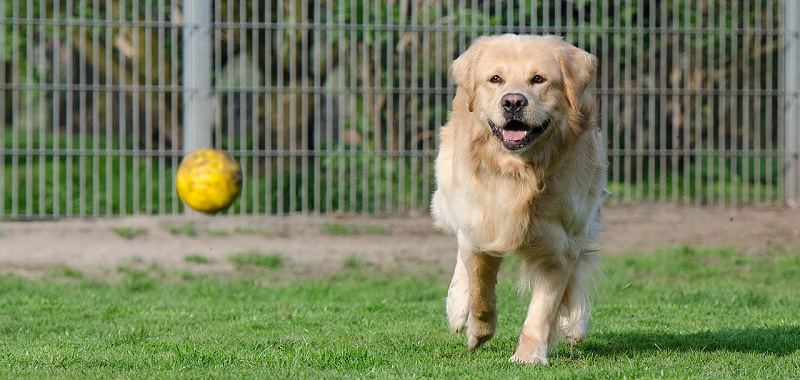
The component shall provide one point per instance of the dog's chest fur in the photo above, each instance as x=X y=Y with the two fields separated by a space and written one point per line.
x=515 y=208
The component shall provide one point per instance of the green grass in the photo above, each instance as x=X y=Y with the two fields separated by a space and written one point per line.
x=257 y=259
x=339 y=229
x=246 y=230
x=198 y=259
x=352 y=262
x=376 y=230
x=187 y=229
x=673 y=313
x=129 y=232
x=218 y=233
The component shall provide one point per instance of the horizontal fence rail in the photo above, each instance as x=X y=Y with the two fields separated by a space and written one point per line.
x=334 y=106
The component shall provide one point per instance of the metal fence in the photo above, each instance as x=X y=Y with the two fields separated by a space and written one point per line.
x=333 y=106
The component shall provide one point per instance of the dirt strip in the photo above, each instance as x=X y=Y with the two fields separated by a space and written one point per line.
x=328 y=242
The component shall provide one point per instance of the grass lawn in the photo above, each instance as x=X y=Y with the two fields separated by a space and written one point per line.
x=672 y=313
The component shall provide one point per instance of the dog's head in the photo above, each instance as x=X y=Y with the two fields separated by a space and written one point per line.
x=526 y=89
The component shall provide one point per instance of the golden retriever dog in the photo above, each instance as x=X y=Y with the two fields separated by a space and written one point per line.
x=521 y=169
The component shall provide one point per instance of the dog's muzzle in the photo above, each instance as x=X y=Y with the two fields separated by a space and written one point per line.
x=516 y=135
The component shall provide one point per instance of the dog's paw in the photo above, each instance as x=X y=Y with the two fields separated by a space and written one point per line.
x=475 y=341
x=457 y=306
x=479 y=331
x=528 y=359
x=457 y=313
x=457 y=323
x=575 y=339
x=574 y=335
x=574 y=332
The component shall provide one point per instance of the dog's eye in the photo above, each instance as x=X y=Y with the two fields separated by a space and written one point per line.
x=496 y=79
x=537 y=79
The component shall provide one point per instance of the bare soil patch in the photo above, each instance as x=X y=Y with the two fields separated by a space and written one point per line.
x=324 y=244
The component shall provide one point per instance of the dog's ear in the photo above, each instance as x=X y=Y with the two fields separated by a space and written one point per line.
x=578 y=68
x=462 y=70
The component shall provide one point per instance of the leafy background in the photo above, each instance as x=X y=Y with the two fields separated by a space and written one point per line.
x=334 y=105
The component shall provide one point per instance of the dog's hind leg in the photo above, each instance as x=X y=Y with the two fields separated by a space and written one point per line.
x=538 y=332
x=576 y=304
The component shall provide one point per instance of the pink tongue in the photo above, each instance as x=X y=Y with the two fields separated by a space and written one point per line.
x=512 y=135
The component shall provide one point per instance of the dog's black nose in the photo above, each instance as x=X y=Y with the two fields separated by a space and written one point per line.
x=513 y=102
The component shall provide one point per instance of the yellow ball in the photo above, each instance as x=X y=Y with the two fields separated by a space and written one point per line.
x=208 y=180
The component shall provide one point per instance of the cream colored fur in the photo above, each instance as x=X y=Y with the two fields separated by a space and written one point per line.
x=541 y=202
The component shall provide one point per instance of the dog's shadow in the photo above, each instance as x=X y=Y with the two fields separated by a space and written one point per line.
x=778 y=341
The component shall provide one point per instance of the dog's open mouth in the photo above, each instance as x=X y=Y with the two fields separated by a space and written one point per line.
x=516 y=135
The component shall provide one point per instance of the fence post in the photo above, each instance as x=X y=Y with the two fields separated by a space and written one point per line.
x=791 y=67
x=197 y=56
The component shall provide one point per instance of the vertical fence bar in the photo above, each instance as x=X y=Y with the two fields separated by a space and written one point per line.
x=29 y=124
x=747 y=97
x=605 y=84
x=255 y=99
x=712 y=105
x=43 y=120
x=357 y=111
x=302 y=83
x=699 y=97
x=148 y=106
x=3 y=117
x=269 y=142
x=686 y=107
x=293 y=37
x=791 y=76
x=366 y=106
x=674 y=101
x=70 y=125
x=96 y=179
x=383 y=159
x=332 y=121
x=82 y=106
x=615 y=55
x=375 y=113
x=308 y=121
x=758 y=153
x=222 y=134
x=770 y=79
x=723 y=106
x=197 y=109
x=652 y=85
x=136 y=106
x=161 y=107
x=110 y=153
x=280 y=111
x=319 y=92
x=733 y=150
x=639 y=115
x=15 y=110
x=409 y=191
x=627 y=81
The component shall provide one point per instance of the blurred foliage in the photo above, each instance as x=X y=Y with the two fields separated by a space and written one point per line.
x=330 y=80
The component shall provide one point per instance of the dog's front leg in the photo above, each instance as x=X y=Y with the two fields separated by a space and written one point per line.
x=458 y=297
x=481 y=270
x=550 y=282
